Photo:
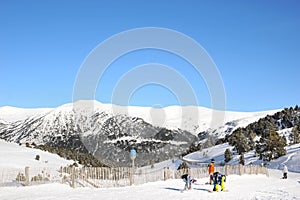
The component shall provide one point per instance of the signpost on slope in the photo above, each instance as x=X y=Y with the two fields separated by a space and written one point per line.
x=132 y=157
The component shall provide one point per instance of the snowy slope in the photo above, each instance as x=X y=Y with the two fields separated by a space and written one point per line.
x=240 y=187
x=15 y=156
x=12 y=114
x=205 y=155
x=246 y=187
x=291 y=160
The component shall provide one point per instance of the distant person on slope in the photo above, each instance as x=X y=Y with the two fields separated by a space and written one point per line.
x=284 y=171
x=211 y=170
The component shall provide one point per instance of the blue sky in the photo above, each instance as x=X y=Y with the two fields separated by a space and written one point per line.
x=254 y=44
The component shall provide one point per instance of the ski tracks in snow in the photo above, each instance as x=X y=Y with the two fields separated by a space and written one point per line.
x=270 y=195
x=288 y=158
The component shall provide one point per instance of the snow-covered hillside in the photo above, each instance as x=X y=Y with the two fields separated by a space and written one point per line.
x=15 y=156
x=12 y=114
x=291 y=160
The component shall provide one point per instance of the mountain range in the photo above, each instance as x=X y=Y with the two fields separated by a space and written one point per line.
x=109 y=132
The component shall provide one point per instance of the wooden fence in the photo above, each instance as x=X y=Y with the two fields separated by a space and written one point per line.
x=112 y=177
x=28 y=176
x=118 y=177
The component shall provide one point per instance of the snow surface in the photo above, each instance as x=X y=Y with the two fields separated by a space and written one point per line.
x=15 y=156
x=240 y=187
x=12 y=114
x=291 y=160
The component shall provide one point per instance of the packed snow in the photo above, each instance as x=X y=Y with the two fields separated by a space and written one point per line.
x=291 y=160
x=239 y=187
x=14 y=156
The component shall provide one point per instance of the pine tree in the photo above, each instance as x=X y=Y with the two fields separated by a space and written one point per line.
x=296 y=137
x=251 y=139
x=210 y=141
x=227 y=155
x=271 y=146
x=242 y=145
x=183 y=165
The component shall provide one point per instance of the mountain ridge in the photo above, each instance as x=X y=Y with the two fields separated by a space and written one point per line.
x=108 y=131
x=172 y=114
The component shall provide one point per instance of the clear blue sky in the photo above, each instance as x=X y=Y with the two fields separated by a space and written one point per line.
x=255 y=45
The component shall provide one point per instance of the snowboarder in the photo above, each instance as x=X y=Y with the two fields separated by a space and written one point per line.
x=188 y=181
x=211 y=170
x=284 y=171
x=219 y=180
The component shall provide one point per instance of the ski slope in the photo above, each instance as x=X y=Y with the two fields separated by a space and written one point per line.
x=240 y=187
x=291 y=160
x=14 y=156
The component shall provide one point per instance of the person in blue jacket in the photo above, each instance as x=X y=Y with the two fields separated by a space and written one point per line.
x=219 y=181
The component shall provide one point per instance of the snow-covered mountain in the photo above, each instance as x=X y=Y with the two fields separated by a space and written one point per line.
x=109 y=131
x=11 y=114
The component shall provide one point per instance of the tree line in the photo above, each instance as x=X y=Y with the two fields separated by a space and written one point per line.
x=263 y=137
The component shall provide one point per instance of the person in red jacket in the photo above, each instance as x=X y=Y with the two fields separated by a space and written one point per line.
x=211 y=170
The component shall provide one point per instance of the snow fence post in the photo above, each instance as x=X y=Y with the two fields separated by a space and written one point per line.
x=266 y=171
x=26 y=176
x=131 y=176
x=73 y=177
x=166 y=173
x=240 y=170
x=226 y=170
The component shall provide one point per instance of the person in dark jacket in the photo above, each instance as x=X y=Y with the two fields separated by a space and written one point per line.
x=219 y=180
x=188 y=181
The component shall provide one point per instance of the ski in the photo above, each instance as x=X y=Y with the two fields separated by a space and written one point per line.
x=211 y=191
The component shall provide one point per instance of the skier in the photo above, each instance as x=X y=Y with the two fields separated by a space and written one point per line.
x=188 y=181
x=219 y=180
x=211 y=170
x=284 y=171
